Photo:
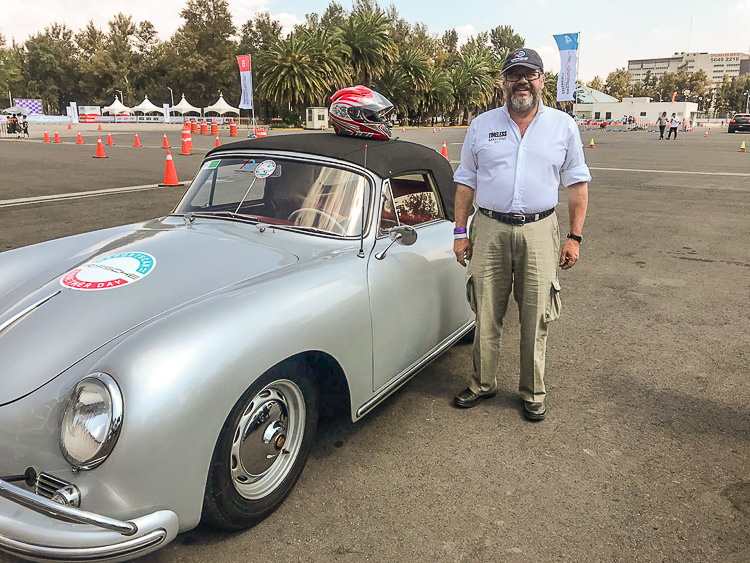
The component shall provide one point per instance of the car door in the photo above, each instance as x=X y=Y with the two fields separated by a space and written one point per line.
x=417 y=292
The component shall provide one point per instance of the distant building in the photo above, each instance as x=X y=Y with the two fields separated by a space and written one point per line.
x=715 y=65
x=594 y=105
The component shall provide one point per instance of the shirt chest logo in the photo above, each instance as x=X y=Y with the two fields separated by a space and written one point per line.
x=498 y=136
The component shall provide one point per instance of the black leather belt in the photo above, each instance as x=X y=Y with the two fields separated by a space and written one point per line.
x=515 y=218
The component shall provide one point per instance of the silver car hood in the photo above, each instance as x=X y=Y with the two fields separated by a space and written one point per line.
x=39 y=342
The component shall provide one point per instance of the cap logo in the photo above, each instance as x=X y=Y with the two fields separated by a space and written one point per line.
x=520 y=53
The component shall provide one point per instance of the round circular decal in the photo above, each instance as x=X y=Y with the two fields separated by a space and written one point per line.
x=111 y=271
x=265 y=169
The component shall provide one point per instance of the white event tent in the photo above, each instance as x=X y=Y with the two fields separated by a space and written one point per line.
x=117 y=108
x=147 y=107
x=221 y=107
x=185 y=107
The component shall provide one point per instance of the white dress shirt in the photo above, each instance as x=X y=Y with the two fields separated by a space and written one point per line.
x=514 y=174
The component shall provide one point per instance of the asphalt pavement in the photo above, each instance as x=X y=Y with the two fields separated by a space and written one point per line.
x=644 y=453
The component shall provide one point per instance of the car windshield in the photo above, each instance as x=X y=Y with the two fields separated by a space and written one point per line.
x=294 y=194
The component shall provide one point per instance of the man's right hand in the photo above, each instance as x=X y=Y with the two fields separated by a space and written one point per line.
x=462 y=250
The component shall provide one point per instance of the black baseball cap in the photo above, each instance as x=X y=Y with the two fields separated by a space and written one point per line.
x=523 y=57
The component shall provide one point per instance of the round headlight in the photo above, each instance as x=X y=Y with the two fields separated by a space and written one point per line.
x=91 y=421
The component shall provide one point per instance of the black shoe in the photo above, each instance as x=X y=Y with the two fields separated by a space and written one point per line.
x=467 y=398
x=534 y=410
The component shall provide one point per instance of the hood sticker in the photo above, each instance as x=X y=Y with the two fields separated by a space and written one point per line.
x=109 y=272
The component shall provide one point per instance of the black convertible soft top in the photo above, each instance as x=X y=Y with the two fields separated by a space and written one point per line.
x=385 y=158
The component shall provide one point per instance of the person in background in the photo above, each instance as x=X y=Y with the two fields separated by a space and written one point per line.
x=661 y=121
x=674 y=123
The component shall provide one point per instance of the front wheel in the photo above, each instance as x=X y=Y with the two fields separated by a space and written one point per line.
x=262 y=448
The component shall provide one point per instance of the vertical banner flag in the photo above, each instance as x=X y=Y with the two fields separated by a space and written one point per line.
x=566 y=80
x=246 y=80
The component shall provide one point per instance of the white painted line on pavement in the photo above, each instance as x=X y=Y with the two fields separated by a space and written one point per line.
x=73 y=195
x=673 y=172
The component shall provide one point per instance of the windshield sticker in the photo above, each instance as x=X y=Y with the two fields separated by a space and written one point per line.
x=211 y=164
x=109 y=272
x=247 y=166
x=265 y=169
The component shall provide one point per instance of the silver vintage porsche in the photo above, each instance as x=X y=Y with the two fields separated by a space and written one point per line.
x=158 y=375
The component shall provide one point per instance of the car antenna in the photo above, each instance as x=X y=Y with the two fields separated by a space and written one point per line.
x=361 y=253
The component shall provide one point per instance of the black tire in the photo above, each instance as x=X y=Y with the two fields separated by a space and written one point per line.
x=224 y=506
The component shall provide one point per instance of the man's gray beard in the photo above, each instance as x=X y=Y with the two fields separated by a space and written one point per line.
x=524 y=104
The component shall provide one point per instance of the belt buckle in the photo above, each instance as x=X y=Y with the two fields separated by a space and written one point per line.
x=518 y=219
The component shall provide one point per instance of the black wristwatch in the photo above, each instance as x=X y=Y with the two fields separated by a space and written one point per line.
x=576 y=238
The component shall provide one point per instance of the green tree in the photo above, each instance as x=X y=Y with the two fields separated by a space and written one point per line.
x=394 y=84
x=438 y=96
x=504 y=40
x=48 y=67
x=597 y=83
x=618 y=83
x=474 y=80
x=722 y=95
x=10 y=68
x=367 y=34
x=738 y=97
x=259 y=34
x=202 y=53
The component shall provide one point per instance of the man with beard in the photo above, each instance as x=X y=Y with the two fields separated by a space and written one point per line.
x=513 y=160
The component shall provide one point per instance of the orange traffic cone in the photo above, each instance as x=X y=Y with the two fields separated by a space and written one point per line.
x=185 y=148
x=100 y=149
x=70 y=127
x=79 y=139
x=165 y=142
x=57 y=137
x=190 y=141
x=218 y=142
x=742 y=147
x=444 y=151
x=170 y=172
x=404 y=130
x=99 y=128
x=136 y=141
x=232 y=129
x=110 y=142
x=262 y=133
x=591 y=144
x=706 y=134
x=214 y=129
x=46 y=137
x=434 y=130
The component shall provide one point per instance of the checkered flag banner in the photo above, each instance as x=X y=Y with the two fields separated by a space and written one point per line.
x=33 y=105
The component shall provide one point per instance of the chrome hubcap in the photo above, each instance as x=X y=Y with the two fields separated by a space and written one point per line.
x=267 y=439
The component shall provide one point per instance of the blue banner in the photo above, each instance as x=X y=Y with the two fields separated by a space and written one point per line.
x=567 y=43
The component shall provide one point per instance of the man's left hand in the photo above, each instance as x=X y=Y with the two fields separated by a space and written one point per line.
x=569 y=254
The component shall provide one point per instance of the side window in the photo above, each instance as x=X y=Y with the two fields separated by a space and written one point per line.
x=415 y=199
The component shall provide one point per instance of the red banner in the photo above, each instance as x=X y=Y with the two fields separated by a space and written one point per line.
x=246 y=81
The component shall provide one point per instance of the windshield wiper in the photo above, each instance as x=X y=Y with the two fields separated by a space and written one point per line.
x=229 y=214
x=308 y=229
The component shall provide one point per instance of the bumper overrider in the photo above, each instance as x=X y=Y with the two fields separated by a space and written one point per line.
x=40 y=529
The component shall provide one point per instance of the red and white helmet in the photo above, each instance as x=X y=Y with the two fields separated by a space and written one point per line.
x=358 y=111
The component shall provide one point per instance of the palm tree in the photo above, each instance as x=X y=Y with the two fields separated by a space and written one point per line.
x=289 y=76
x=329 y=57
x=474 y=79
x=549 y=94
x=394 y=84
x=438 y=95
x=366 y=33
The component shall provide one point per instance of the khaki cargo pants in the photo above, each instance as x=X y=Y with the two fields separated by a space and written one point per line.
x=522 y=258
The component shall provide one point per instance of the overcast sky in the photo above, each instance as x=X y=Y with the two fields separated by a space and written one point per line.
x=611 y=32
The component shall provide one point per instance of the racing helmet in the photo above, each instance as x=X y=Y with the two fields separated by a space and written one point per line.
x=358 y=111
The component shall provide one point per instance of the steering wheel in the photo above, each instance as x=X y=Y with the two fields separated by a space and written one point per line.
x=320 y=212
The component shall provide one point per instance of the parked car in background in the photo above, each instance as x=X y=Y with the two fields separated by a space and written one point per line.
x=171 y=372
x=740 y=122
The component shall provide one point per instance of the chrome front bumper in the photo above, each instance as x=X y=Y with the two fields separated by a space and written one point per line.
x=36 y=528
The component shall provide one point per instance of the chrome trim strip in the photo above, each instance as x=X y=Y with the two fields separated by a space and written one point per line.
x=395 y=383
x=98 y=553
x=27 y=310
x=61 y=512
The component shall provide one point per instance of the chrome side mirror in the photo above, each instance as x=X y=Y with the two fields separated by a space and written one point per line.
x=403 y=235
